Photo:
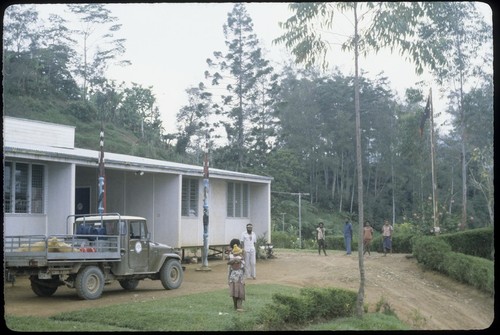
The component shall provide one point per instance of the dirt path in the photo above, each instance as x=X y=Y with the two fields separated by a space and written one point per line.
x=426 y=300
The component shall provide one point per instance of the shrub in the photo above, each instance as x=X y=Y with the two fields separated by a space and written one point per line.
x=474 y=242
x=312 y=304
x=402 y=243
x=284 y=240
x=471 y=270
x=332 y=302
x=430 y=251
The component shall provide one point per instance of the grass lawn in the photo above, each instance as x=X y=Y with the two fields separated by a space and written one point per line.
x=209 y=311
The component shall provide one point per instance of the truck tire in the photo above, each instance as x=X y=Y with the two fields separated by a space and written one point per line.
x=129 y=284
x=43 y=287
x=171 y=274
x=89 y=283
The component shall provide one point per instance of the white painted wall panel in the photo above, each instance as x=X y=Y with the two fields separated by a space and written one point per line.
x=37 y=132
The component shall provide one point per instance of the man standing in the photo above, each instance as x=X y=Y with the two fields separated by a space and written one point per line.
x=387 y=235
x=367 y=237
x=320 y=237
x=348 y=236
x=248 y=239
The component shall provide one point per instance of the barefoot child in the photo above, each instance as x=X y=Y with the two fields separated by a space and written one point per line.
x=236 y=277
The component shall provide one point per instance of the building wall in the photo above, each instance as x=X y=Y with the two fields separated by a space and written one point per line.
x=167 y=208
x=155 y=195
x=59 y=189
x=260 y=210
x=61 y=200
x=37 y=132
x=116 y=183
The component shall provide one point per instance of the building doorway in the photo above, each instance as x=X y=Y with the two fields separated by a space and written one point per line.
x=82 y=200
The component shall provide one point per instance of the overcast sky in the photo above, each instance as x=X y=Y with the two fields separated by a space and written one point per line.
x=168 y=44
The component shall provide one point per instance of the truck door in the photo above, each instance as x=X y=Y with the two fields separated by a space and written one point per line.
x=138 y=246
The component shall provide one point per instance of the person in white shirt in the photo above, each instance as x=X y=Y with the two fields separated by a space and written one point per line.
x=248 y=240
x=320 y=237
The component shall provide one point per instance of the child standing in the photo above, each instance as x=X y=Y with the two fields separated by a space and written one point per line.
x=236 y=277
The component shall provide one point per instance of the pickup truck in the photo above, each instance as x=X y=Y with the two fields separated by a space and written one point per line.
x=101 y=248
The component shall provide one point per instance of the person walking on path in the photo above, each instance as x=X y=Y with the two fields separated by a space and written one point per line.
x=348 y=236
x=320 y=237
x=387 y=235
x=248 y=240
x=367 y=237
x=236 y=277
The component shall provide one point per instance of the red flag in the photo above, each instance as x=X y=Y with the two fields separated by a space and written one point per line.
x=425 y=115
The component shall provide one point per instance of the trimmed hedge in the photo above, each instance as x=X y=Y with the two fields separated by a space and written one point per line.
x=434 y=253
x=311 y=304
x=476 y=242
x=475 y=271
x=430 y=251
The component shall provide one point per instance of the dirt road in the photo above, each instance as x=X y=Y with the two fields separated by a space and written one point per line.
x=424 y=299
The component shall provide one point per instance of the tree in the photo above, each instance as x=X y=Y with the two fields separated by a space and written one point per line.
x=459 y=31
x=392 y=25
x=34 y=65
x=19 y=32
x=240 y=68
x=193 y=120
x=307 y=45
x=98 y=46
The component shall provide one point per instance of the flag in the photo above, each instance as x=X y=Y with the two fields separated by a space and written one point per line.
x=425 y=114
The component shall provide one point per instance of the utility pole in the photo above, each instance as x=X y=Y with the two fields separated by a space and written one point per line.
x=283 y=220
x=300 y=216
x=433 y=154
x=300 y=194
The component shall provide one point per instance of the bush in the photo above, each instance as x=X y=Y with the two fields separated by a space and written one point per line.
x=83 y=111
x=402 y=243
x=330 y=303
x=436 y=254
x=471 y=270
x=430 y=251
x=283 y=240
x=312 y=304
x=475 y=242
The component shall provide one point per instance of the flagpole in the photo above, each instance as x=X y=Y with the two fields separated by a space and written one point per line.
x=433 y=154
x=101 y=205
x=204 y=266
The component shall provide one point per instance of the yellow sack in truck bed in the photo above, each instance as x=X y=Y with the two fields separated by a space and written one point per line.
x=53 y=245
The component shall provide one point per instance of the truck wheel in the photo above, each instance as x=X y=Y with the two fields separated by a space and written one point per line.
x=129 y=284
x=171 y=274
x=43 y=287
x=89 y=283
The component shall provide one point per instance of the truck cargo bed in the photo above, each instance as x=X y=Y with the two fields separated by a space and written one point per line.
x=40 y=250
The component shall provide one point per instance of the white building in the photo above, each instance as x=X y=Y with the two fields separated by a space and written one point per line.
x=46 y=179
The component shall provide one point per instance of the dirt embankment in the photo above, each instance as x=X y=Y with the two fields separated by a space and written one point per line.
x=424 y=299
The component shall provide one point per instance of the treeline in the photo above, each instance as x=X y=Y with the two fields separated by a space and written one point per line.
x=297 y=126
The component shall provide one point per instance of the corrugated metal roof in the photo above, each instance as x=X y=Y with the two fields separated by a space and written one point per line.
x=85 y=157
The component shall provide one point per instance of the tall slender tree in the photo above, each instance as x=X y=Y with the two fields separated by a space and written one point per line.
x=99 y=45
x=241 y=68
x=390 y=25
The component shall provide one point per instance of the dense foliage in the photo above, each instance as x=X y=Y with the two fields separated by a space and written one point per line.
x=294 y=125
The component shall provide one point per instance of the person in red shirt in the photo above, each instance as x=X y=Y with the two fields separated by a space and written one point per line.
x=367 y=237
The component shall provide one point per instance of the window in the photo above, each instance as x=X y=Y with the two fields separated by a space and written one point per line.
x=237 y=200
x=138 y=230
x=24 y=188
x=189 y=197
